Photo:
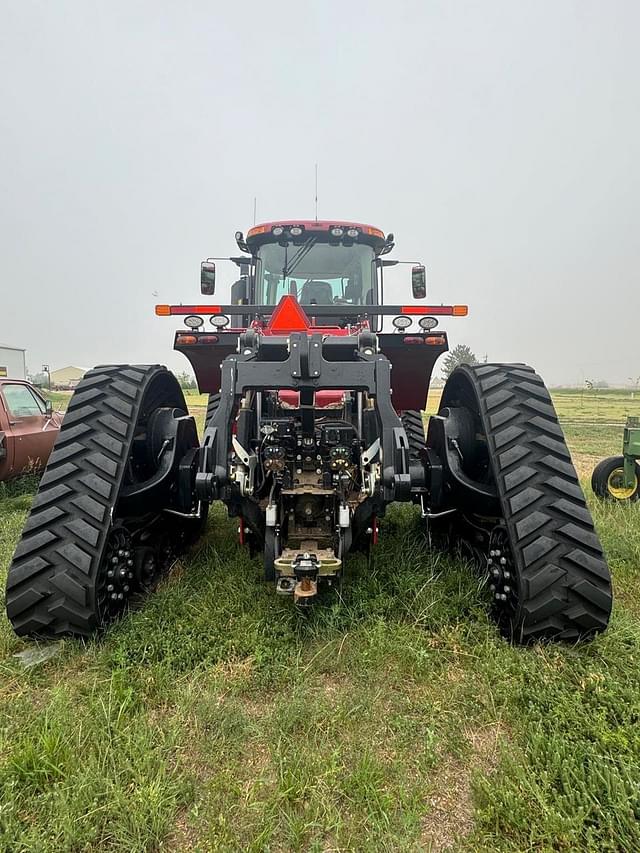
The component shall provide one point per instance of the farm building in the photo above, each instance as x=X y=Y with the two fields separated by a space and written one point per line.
x=12 y=363
x=67 y=377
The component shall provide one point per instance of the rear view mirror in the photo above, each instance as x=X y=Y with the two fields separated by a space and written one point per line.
x=48 y=408
x=419 y=282
x=207 y=278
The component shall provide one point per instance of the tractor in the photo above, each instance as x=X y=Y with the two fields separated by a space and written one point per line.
x=313 y=427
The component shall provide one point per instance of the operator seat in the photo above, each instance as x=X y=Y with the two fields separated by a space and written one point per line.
x=318 y=292
x=352 y=292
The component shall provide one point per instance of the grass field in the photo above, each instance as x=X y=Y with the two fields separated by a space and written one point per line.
x=217 y=718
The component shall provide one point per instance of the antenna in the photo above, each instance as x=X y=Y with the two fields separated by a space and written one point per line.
x=316 y=192
x=255 y=208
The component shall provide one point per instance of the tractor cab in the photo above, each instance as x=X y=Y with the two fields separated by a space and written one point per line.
x=319 y=263
x=316 y=262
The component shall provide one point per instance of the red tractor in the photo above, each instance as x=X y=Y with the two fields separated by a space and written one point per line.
x=313 y=427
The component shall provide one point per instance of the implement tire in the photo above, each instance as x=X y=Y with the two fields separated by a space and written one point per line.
x=558 y=584
x=607 y=481
x=57 y=582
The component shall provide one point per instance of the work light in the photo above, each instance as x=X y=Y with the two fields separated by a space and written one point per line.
x=427 y=323
x=193 y=321
x=402 y=322
x=219 y=320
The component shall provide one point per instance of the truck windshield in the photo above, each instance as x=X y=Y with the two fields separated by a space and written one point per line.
x=316 y=273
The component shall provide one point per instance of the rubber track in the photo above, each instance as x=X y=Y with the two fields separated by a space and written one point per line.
x=212 y=406
x=564 y=580
x=51 y=585
x=414 y=428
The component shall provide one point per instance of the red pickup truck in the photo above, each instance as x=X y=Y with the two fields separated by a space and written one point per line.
x=28 y=428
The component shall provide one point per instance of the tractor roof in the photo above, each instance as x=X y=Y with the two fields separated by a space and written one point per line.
x=368 y=233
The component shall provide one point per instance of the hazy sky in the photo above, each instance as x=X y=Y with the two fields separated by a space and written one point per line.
x=499 y=141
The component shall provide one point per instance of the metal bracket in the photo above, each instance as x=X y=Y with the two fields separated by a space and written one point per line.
x=371 y=452
x=305 y=355
x=250 y=461
x=425 y=513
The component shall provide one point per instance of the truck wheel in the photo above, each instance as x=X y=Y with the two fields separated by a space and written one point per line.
x=81 y=556
x=607 y=480
x=544 y=561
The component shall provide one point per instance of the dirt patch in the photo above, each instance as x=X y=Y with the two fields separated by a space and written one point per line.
x=184 y=836
x=333 y=684
x=450 y=814
x=257 y=707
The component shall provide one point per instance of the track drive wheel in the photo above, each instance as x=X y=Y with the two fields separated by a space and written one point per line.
x=87 y=546
x=542 y=556
x=607 y=480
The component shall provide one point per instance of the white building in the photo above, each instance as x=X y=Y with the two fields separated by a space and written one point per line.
x=12 y=363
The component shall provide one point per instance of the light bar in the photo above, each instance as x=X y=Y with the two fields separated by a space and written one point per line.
x=169 y=310
x=333 y=310
x=448 y=310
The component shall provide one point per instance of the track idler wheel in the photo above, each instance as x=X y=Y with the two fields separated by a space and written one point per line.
x=532 y=532
x=98 y=532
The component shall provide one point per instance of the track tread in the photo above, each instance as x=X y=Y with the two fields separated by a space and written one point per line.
x=564 y=581
x=51 y=585
x=212 y=405
x=414 y=428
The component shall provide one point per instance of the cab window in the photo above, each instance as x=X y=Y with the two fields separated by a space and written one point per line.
x=22 y=402
x=316 y=273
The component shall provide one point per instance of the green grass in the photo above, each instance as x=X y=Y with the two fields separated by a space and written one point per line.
x=217 y=718
x=601 y=406
x=59 y=399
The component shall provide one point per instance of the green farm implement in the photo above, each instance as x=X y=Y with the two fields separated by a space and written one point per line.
x=618 y=477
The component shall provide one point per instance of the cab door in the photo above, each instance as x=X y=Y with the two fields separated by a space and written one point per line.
x=31 y=431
